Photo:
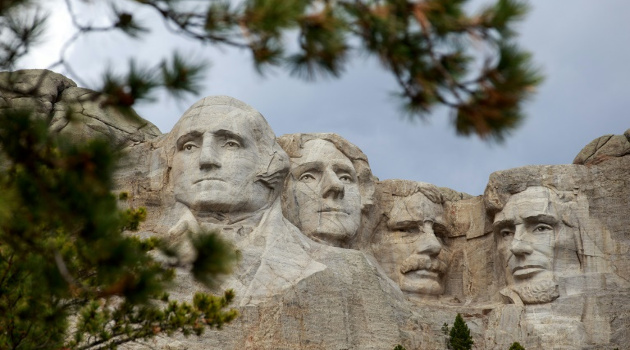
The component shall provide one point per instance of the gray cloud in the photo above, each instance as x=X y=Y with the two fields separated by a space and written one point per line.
x=581 y=48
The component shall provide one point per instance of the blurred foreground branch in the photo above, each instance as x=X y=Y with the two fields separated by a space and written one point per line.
x=69 y=277
x=439 y=53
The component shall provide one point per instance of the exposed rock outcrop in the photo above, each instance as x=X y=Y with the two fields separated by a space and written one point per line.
x=542 y=257
x=77 y=112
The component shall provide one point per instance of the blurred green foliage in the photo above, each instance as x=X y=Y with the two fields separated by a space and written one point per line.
x=439 y=51
x=69 y=276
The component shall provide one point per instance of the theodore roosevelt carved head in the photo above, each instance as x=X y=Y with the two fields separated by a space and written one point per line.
x=411 y=242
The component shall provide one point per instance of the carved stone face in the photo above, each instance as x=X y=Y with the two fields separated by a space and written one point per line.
x=216 y=162
x=324 y=189
x=412 y=248
x=527 y=229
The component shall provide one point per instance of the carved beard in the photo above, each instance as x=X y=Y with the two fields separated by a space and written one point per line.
x=538 y=292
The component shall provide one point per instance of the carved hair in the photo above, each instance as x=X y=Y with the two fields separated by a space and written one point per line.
x=590 y=238
x=431 y=192
x=294 y=143
x=274 y=163
x=390 y=191
x=406 y=188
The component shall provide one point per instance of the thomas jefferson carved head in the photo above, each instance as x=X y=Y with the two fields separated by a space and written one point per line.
x=225 y=158
x=411 y=241
x=329 y=186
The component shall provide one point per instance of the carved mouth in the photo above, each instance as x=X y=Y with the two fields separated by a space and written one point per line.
x=208 y=179
x=423 y=266
x=332 y=210
x=423 y=273
x=527 y=270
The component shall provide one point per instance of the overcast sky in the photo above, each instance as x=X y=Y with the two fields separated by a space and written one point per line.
x=582 y=47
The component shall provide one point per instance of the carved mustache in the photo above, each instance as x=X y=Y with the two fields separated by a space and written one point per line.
x=422 y=262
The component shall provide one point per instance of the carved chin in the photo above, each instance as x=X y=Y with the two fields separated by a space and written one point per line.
x=538 y=292
x=208 y=202
x=332 y=234
x=425 y=286
x=332 y=228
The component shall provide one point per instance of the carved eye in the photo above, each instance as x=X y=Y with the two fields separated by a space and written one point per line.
x=307 y=177
x=409 y=232
x=507 y=233
x=189 y=146
x=232 y=144
x=542 y=228
x=346 y=178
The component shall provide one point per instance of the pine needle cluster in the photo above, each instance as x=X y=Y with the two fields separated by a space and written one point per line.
x=459 y=336
x=69 y=276
x=440 y=52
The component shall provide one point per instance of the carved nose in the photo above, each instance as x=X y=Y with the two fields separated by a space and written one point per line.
x=331 y=185
x=209 y=157
x=519 y=245
x=428 y=244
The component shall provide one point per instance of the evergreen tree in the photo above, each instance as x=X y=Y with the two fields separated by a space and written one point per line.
x=516 y=346
x=69 y=277
x=440 y=53
x=460 y=338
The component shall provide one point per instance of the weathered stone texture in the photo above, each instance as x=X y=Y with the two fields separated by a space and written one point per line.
x=542 y=257
x=603 y=148
x=79 y=113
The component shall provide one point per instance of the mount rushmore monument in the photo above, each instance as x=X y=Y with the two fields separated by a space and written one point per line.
x=334 y=258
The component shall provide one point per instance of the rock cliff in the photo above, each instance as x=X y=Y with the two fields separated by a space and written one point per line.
x=333 y=258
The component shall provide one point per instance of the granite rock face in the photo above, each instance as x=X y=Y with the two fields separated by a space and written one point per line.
x=333 y=258
x=77 y=112
x=603 y=148
x=221 y=168
x=562 y=252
